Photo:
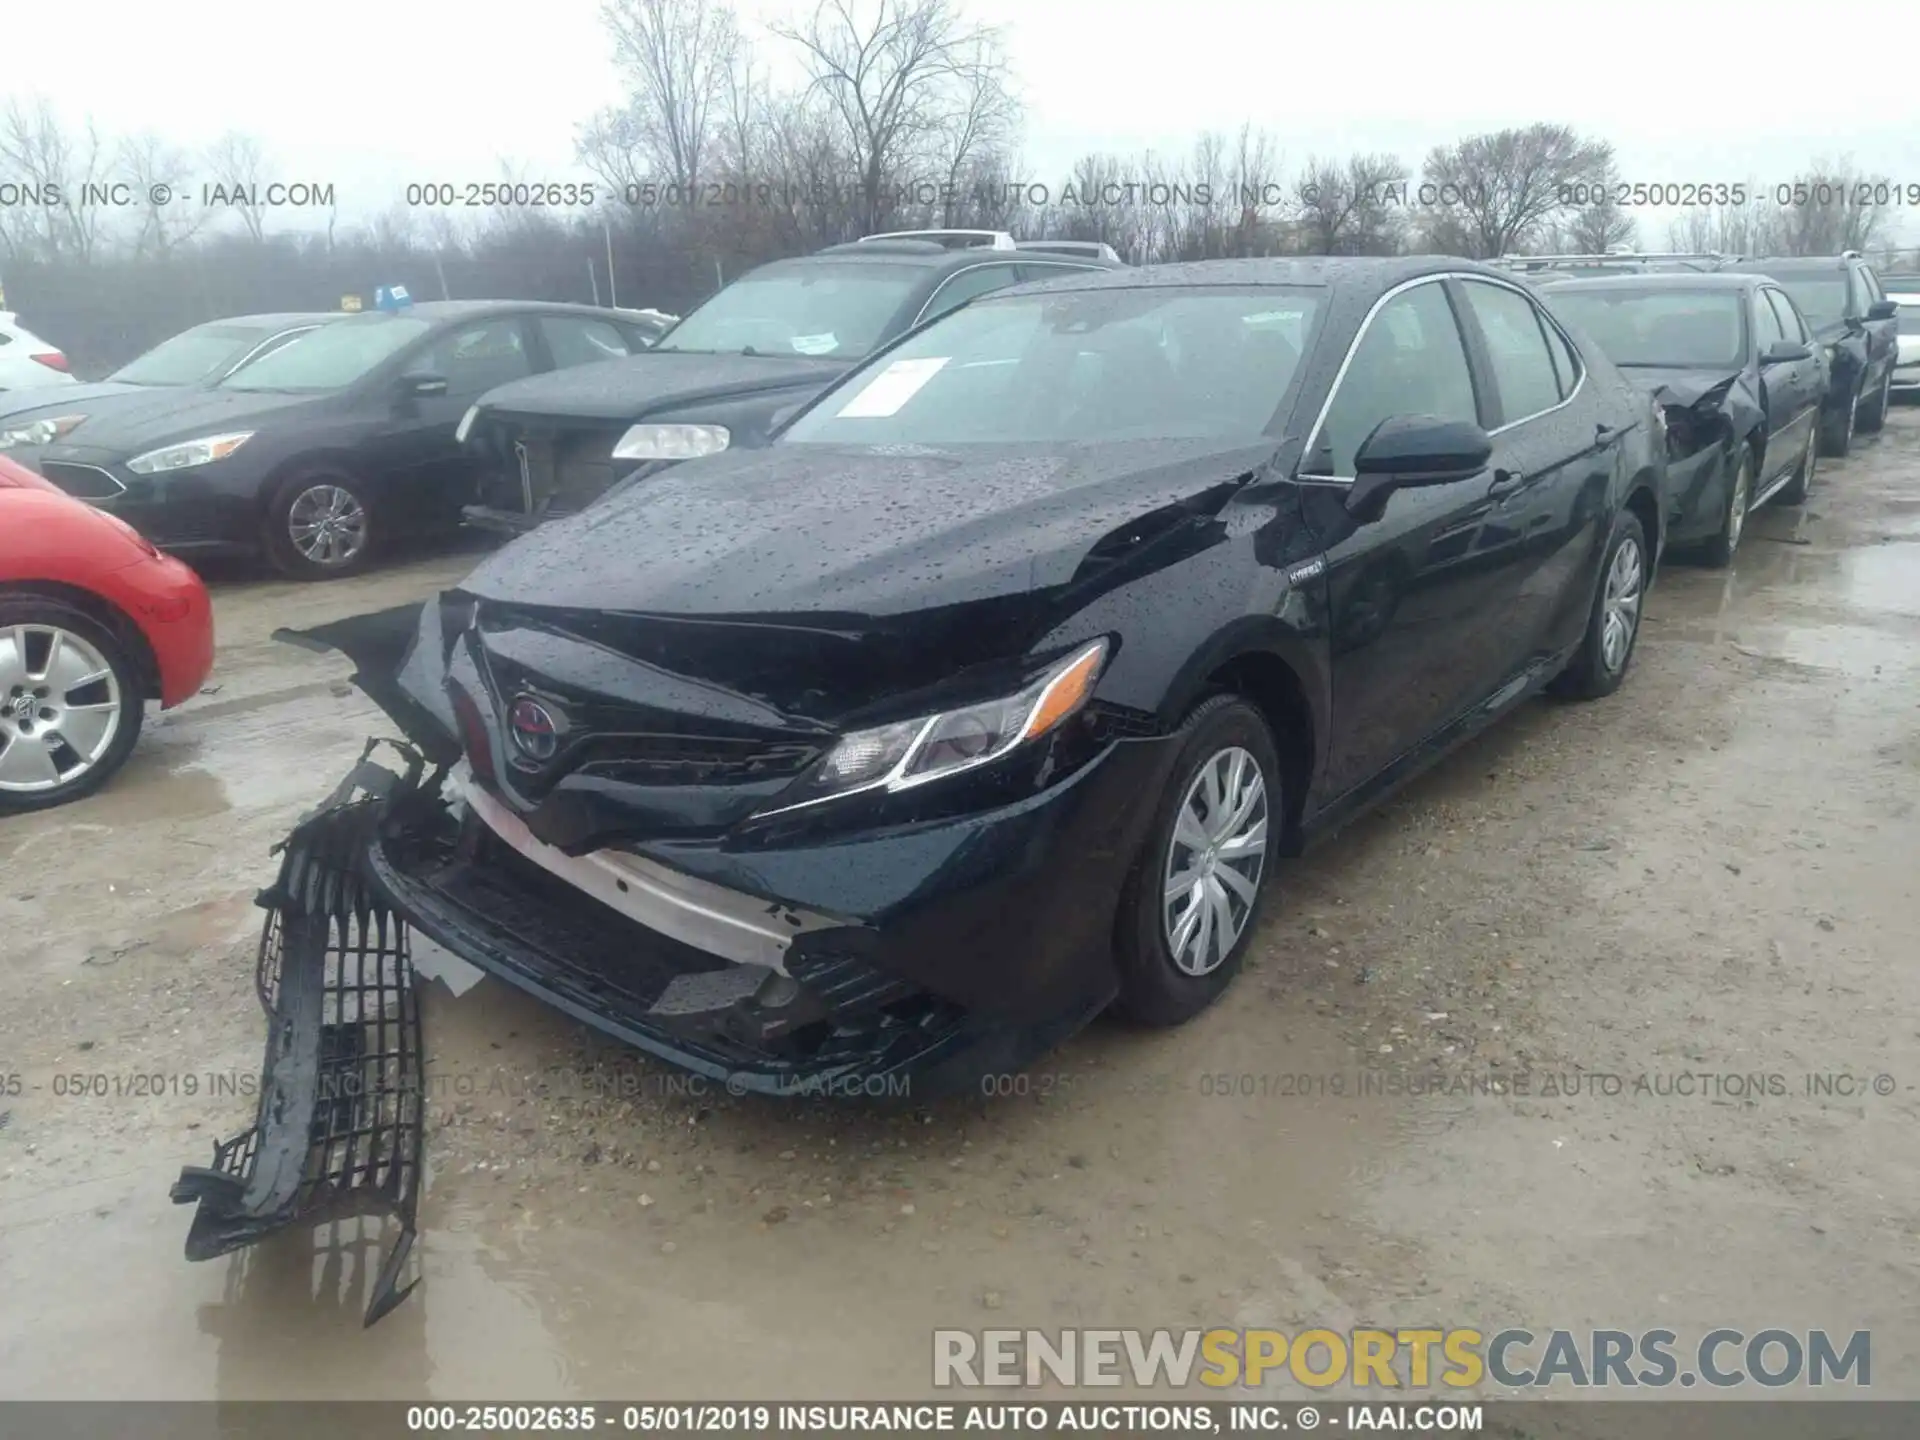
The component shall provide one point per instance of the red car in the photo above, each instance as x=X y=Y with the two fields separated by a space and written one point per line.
x=94 y=622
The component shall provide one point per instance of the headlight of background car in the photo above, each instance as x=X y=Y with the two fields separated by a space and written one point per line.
x=38 y=432
x=932 y=747
x=188 y=453
x=671 y=442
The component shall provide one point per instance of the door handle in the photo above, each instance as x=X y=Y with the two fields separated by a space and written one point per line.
x=1505 y=482
x=1603 y=433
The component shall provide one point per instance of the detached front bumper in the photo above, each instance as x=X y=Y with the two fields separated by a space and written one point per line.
x=906 y=962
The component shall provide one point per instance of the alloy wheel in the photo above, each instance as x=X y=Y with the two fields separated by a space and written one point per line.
x=328 y=525
x=1621 y=613
x=59 y=708
x=1215 y=860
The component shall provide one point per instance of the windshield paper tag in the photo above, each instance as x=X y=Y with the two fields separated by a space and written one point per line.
x=892 y=388
x=815 y=344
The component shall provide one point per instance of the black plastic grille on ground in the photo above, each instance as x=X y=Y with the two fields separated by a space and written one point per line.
x=340 y=1130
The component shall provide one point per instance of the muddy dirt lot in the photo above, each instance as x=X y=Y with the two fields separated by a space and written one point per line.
x=1715 y=875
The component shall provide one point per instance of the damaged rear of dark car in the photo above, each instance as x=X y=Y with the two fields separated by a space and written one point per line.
x=1740 y=381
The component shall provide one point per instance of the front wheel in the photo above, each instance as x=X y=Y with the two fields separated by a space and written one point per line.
x=320 y=526
x=1614 y=623
x=1720 y=549
x=1189 y=909
x=1836 y=430
x=71 y=703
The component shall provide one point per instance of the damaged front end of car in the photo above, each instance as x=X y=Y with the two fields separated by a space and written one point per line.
x=1706 y=420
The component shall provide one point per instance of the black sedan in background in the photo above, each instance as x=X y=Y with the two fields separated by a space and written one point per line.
x=749 y=356
x=1733 y=365
x=325 y=449
x=993 y=690
x=204 y=355
x=1855 y=323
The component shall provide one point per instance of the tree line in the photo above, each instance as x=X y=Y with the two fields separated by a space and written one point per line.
x=905 y=115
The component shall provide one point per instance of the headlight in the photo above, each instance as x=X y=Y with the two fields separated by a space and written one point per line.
x=466 y=424
x=932 y=747
x=188 y=453
x=671 y=442
x=39 y=432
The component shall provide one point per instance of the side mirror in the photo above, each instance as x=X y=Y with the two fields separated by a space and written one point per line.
x=1883 y=310
x=1785 y=352
x=785 y=413
x=1411 y=450
x=416 y=387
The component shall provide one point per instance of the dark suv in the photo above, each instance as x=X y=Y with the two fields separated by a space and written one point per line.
x=1856 y=324
x=750 y=355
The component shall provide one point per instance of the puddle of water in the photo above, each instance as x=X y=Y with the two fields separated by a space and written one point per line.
x=1885 y=577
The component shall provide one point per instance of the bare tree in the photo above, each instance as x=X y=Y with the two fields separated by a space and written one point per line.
x=894 y=73
x=1830 y=207
x=1490 y=194
x=677 y=57
x=165 y=215
x=54 y=170
x=240 y=170
x=1355 y=207
x=977 y=131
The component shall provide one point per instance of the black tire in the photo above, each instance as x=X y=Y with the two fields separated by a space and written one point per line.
x=1154 y=989
x=312 y=490
x=1588 y=675
x=1719 y=550
x=1798 y=488
x=128 y=685
x=1836 y=430
x=1875 y=417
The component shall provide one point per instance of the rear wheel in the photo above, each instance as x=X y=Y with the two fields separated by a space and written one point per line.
x=1191 y=904
x=320 y=525
x=71 y=703
x=1613 y=625
x=1719 y=551
x=1876 y=415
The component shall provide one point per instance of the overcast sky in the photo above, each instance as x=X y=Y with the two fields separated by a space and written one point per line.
x=372 y=94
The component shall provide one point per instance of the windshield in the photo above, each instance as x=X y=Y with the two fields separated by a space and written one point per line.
x=1677 y=329
x=193 y=356
x=815 y=308
x=331 y=357
x=1151 y=363
x=1821 y=298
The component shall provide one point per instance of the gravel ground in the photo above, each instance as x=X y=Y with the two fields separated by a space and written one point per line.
x=1587 y=1027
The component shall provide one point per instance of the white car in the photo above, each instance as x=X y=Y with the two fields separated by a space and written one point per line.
x=26 y=361
x=1906 y=364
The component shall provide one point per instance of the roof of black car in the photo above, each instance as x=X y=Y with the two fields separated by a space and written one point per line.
x=1373 y=272
x=1766 y=263
x=1659 y=280
x=435 y=311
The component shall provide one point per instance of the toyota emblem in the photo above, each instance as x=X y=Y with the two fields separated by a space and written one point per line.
x=536 y=733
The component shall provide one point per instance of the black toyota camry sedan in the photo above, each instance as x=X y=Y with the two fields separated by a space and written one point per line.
x=992 y=693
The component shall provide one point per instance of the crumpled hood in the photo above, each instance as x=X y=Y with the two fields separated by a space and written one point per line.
x=659 y=379
x=1680 y=387
x=799 y=529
